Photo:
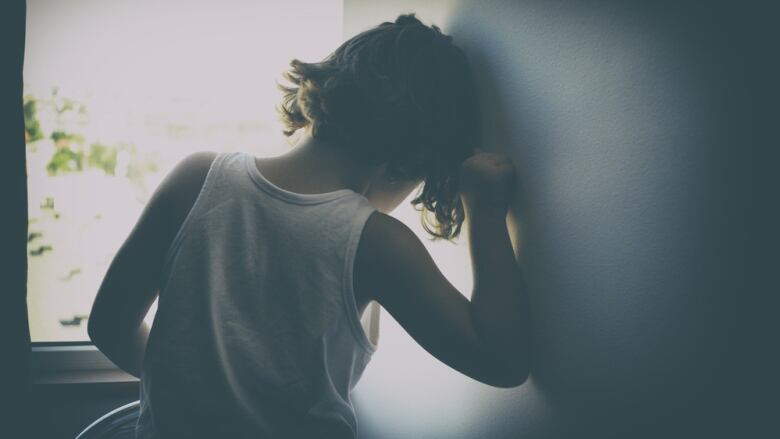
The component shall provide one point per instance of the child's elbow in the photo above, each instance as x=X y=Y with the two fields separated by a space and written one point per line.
x=96 y=330
x=93 y=331
x=507 y=374
x=511 y=379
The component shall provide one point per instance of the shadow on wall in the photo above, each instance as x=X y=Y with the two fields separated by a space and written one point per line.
x=621 y=118
x=617 y=116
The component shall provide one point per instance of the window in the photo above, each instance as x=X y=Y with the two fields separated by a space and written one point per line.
x=116 y=93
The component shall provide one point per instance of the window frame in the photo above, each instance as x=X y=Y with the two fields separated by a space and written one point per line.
x=73 y=363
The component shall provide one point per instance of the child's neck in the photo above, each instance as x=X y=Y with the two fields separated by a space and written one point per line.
x=313 y=166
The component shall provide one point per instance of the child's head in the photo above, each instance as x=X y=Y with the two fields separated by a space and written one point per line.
x=399 y=94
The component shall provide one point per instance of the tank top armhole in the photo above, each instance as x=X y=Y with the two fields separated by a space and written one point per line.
x=207 y=183
x=350 y=306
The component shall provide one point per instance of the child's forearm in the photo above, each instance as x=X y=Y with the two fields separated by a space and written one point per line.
x=127 y=353
x=499 y=302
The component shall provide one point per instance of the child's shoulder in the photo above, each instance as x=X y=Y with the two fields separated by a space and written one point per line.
x=195 y=166
x=188 y=175
x=181 y=186
x=384 y=234
x=387 y=248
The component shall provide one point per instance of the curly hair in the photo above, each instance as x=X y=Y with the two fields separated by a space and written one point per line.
x=409 y=89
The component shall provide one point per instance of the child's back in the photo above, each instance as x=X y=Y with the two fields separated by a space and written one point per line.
x=257 y=328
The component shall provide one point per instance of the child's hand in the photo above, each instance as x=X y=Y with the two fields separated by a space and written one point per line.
x=487 y=181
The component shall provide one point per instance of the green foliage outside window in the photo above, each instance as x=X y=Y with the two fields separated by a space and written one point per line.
x=63 y=154
x=65 y=160
x=32 y=126
x=103 y=157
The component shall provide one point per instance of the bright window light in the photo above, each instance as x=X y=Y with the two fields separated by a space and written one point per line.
x=116 y=93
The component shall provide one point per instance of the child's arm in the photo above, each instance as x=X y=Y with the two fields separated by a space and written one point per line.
x=487 y=338
x=130 y=286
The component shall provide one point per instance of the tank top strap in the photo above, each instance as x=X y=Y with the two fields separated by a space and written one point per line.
x=215 y=179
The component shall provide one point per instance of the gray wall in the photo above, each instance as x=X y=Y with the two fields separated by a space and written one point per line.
x=630 y=124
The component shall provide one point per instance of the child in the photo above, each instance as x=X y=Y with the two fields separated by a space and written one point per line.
x=264 y=265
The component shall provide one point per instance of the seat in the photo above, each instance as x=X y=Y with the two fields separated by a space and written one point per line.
x=116 y=424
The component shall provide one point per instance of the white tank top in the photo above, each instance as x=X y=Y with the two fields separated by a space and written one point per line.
x=257 y=333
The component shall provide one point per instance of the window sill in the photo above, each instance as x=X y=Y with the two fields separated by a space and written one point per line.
x=86 y=377
x=75 y=364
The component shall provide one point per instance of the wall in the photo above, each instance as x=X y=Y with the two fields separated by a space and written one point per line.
x=622 y=119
